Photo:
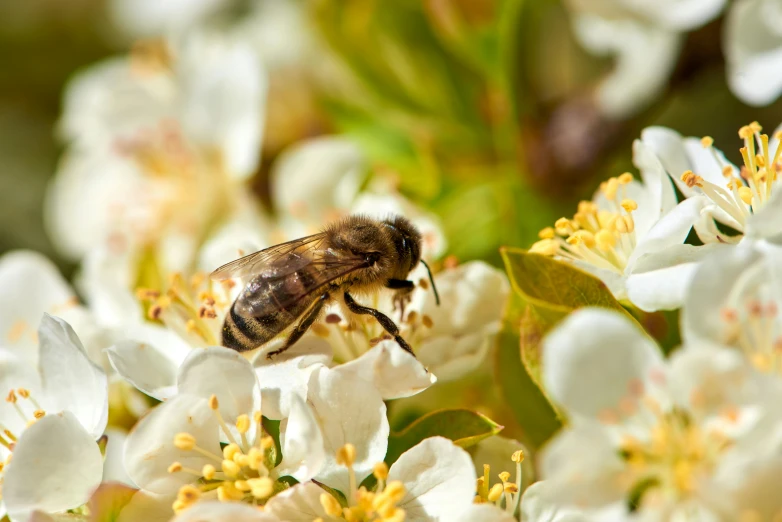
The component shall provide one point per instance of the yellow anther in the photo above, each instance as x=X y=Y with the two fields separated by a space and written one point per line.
x=208 y=471
x=629 y=205
x=412 y=317
x=610 y=188
x=330 y=505
x=735 y=183
x=427 y=321
x=154 y=312
x=242 y=485
x=241 y=459
x=255 y=459
x=691 y=179
x=510 y=487
x=547 y=233
x=564 y=226
x=184 y=441
x=11 y=397
x=582 y=237
x=261 y=488
x=760 y=161
x=191 y=325
x=231 y=468
x=173 y=468
x=745 y=193
x=707 y=141
x=39 y=413
x=146 y=294
x=346 y=455
x=228 y=492
x=257 y=417
x=395 y=490
x=179 y=506
x=380 y=471
x=213 y=402
x=625 y=178
x=755 y=127
x=495 y=492
x=518 y=456
x=727 y=171
x=230 y=450
x=546 y=247
x=267 y=442
x=243 y=423
x=745 y=132
x=504 y=476
x=587 y=207
x=188 y=494
x=24 y=393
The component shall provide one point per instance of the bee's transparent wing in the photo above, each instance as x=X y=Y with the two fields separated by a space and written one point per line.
x=281 y=259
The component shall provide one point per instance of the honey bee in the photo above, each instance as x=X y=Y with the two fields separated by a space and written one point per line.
x=290 y=284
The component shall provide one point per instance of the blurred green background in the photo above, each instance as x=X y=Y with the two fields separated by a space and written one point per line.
x=485 y=107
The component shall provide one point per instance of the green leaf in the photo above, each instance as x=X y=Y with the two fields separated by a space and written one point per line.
x=554 y=287
x=533 y=411
x=463 y=427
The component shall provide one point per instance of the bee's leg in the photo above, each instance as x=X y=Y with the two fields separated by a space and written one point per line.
x=403 y=289
x=303 y=325
x=387 y=324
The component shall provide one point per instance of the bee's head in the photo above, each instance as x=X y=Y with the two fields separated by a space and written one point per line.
x=407 y=241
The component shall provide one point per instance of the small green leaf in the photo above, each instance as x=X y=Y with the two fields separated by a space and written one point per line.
x=463 y=427
x=533 y=411
x=553 y=286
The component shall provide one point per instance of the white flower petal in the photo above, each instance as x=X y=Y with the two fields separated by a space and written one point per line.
x=216 y=511
x=655 y=178
x=671 y=229
x=226 y=374
x=301 y=442
x=150 y=450
x=70 y=380
x=701 y=318
x=17 y=372
x=306 y=200
x=753 y=53
x=439 y=480
x=348 y=411
x=393 y=371
x=288 y=373
x=766 y=223
x=453 y=357
x=31 y=286
x=591 y=359
x=114 y=461
x=660 y=280
x=539 y=504
x=73 y=467
x=223 y=99
x=645 y=56
x=151 y=18
x=591 y=478
x=666 y=147
x=483 y=513
x=301 y=503
x=143 y=366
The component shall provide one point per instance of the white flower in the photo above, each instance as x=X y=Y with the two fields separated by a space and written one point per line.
x=631 y=236
x=539 y=504
x=32 y=285
x=212 y=511
x=277 y=29
x=158 y=145
x=734 y=301
x=433 y=480
x=746 y=200
x=645 y=38
x=753 y=50
x=51 y=418
x=219 y=399
x=669 y=438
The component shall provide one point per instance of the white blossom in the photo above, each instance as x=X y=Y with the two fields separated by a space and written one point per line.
x=159 y=143
x=52 y=414
x=753 y=50
x=631 y=236
x=673 y=437
x=645 y=39
x=746 y=199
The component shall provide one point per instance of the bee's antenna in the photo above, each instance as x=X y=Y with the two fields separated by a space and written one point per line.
x=431 y=279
